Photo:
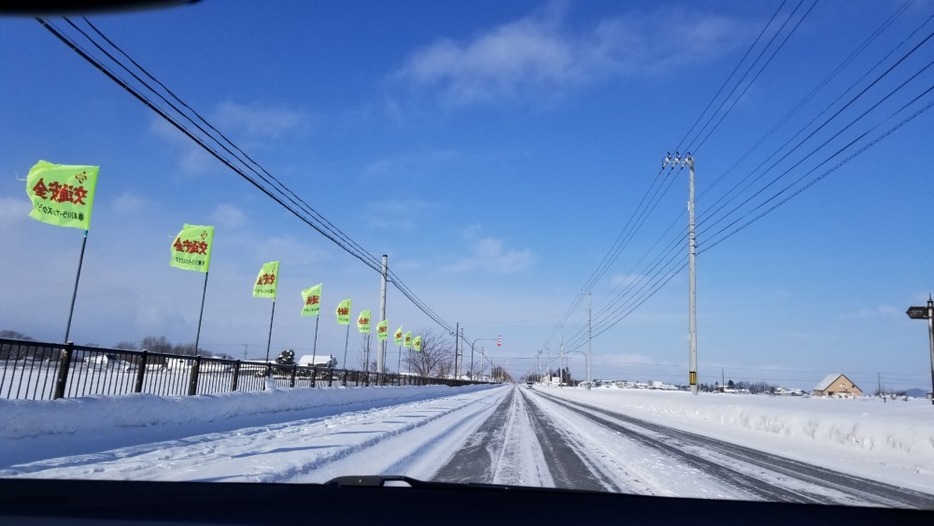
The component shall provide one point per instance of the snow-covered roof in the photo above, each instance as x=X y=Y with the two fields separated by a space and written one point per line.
x=825 y=383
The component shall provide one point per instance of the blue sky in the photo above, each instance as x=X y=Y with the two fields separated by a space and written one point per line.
x=495 y=151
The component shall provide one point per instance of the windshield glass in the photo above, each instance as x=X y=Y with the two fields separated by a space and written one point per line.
x=662 y=248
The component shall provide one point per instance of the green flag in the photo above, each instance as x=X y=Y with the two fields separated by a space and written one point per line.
x=267 y=281
x=192 y=248
x=62 y=195
x=382 y=330
x=407 y=340
x=343 y=312
x=363 y=322
x=397 y=337
x=417 y=343
x=311 y=299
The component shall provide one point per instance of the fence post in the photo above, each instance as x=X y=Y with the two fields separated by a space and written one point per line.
x=140 y=372
x=236 y=376
x=193 y=378
x=292 y=380
x=64 y=363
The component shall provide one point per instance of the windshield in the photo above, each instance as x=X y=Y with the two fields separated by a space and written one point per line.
x=662 y=248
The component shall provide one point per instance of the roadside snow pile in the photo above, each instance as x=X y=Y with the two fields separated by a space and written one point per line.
x=72 y=425
x=862 y=434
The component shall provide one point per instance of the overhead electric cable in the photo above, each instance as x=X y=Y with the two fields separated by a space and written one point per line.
x=297 y=206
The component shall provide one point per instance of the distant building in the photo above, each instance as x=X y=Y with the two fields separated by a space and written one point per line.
x=836 y=384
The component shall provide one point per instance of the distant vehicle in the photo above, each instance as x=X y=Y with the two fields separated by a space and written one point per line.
x=528 y=384
x=309 y=360
x=105 y=360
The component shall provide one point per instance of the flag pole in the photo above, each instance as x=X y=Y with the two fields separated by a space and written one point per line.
x=269 y=340
x=314 y=346
x=366 y=366
x=74 y=294
x=204 y=293
x=399 y=367
x=346 y=339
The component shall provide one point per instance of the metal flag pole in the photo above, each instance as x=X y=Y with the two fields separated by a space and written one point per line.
x=204 y=292
x=74 y=294
x=366 y=353
x=346 y=339
x=314 y=346
x=269 y=339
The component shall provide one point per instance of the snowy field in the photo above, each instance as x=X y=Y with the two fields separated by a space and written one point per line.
x=476 y=433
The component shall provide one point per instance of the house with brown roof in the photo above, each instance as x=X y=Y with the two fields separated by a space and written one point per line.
x=836 y=384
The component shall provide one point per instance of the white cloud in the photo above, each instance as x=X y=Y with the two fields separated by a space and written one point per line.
x=489 y=255
x=248 y=126
x=228 y=215
x=397 y=214
x=255 y=122
x=128 y=202
x=540 y=56
x=14 y=208
x=426 y=163
x=192 y=160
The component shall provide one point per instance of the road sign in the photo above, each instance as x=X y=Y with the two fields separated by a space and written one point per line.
x=917 y=313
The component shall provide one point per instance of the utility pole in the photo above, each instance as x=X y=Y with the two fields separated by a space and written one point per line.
x=381 y=355
x=688 y=160
x=457 y=336
x=589 y=337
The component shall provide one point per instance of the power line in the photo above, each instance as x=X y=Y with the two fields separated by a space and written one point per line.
x=258 y=176
x=638 y=291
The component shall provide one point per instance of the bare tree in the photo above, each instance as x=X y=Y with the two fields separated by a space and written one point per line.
x=436 y=359
x=366 y=357
x=156 y=344
x=480 y=368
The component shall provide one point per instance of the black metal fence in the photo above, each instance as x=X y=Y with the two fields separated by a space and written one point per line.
x=33 y=370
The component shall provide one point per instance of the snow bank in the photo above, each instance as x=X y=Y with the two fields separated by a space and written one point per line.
x=861 y=435
x=74 y=425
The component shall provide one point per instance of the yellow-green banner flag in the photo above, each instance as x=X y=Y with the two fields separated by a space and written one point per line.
x=343 y=312
x=417 y=343
x=62 y=194
x=311 y=299
x=363 y=322
x=397 y=336
x=382 y=330
x=192 y=248
x=407 y=340
x=267 y=281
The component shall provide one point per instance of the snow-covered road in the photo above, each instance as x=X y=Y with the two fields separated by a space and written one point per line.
x=500 y=435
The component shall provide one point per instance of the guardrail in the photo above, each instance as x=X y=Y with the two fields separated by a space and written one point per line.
x=33 y=370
